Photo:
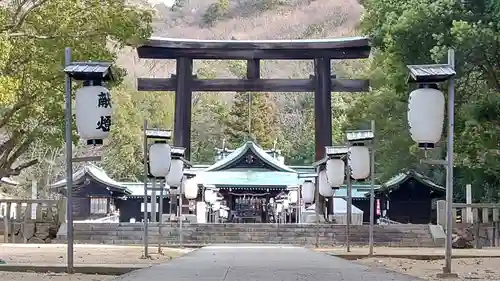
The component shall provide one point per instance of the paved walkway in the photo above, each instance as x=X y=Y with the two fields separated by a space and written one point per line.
x=411 y=253
x=260 y=263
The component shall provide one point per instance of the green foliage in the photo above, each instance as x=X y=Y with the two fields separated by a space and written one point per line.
x=265 y=5
x=34 y=34
x=260 y=126
x=215 y=12
x=252 y=115
x=178 y=5
x=123 y=152
x=298 y=137
x=209 y=112
x=419 y=32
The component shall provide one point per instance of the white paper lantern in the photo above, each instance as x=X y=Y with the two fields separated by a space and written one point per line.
x=175 y=174
x=286 y=204
x=159 y=159
x=335 y=172
x=307 y=192
x=208 y=195
x=426 y=108
x=324 y=187
x=190 y=188
x=359 y=162
x=216 y=206
x=93 y=112
x=293 y=196
x=279 y=208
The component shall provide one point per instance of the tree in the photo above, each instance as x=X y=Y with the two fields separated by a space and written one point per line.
x=418 y=32
x=252 y=116
x=123 y=152
x=215 y=12
x=262 y=127
x=33 y=35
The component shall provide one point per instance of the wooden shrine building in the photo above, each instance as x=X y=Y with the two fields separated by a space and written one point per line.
x=248 y=178
x=410 y=198
x=95 y=194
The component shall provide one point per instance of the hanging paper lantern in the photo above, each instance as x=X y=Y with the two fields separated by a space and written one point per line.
x=93 y=113
x=426 y=108
x=359 y=162
x=324 y=187
x=286 y=204
x=159 y=159
x=208 y=195
x=293 y=196
x=216 y=206
x=175 y=174
x=307 y=192
x=279 y=207
x=335 y=172
x=190 y=188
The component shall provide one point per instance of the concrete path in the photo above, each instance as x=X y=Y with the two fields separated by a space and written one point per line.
x=260 y=263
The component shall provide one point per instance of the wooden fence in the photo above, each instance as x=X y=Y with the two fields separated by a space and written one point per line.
x=19 y=213
x=482 y=218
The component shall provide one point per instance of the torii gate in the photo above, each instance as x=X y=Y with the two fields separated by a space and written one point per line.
x=322 y=83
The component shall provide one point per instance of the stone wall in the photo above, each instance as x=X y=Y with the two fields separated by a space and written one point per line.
x=34 y=232
x=204 y=234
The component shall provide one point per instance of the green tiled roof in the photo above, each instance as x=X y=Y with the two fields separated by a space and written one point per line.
x=240 y=152
x=358 y=190
x=244 y=178
x=395 y=181
x=137 y=188
x=94 y=172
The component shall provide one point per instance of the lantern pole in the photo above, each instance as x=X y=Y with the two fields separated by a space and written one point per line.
x=449 y=166
x=69 y=162
x=349 y=201
x=180 y=215
x=160 y=215
x=145 y=213
x=372 y=189
x=437 y=74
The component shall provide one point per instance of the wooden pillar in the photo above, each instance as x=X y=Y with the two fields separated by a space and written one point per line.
x=322 y=106
x=253 y=69
x=183 y=95
x=253 y=73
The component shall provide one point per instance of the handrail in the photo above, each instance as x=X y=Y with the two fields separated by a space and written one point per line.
x=387 y=221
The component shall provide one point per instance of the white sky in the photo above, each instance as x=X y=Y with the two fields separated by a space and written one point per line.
x=168 y=3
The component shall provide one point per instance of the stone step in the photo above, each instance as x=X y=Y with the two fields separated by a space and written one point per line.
x=398 y=235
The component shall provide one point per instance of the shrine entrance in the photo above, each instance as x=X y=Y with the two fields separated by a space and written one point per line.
x=323 y=82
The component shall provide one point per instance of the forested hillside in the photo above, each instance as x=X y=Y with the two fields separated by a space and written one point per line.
x=402 y=32
x=283 y=117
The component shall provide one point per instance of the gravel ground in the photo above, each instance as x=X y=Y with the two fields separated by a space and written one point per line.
x=84 y=254
x=29 y=276
x=478 y=269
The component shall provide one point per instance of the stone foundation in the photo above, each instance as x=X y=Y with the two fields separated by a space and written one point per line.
x=322 y=235
x=34 y=232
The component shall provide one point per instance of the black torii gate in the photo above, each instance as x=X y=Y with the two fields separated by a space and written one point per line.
x=322 y=83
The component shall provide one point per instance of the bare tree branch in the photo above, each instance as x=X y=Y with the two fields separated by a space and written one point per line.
x=22 y=12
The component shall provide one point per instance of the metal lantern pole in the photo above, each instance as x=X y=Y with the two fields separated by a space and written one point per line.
x=69 y=162
x=180 y=216
x=160 y=215
x=145 y=160
x=449 y=166
x=349 y=201
x=372 y=189
x=437 y=74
